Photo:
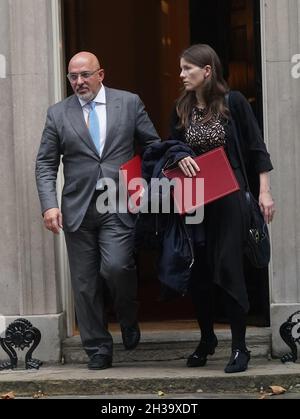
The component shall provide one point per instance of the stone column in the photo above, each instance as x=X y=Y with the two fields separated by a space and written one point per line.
x=281 y=41
x=30 y=284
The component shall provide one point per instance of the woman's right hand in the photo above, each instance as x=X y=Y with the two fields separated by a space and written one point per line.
x=189 y=167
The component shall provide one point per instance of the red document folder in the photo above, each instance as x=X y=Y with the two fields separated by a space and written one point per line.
x=130 y=170
x=218 y=176
x=133 y=168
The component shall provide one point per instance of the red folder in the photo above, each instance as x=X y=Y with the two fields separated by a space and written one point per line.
x=130 y=170
x=218 y=176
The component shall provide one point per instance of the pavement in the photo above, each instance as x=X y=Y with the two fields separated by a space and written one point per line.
x=152 y=379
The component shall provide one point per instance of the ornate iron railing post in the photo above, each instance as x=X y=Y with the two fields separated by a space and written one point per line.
x=290 y=333
x=20 y=334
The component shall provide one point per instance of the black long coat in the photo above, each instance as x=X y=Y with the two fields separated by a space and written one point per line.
x=225 y=220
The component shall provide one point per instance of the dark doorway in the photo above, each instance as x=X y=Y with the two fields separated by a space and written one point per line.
x=232 y=28
x=139 y=43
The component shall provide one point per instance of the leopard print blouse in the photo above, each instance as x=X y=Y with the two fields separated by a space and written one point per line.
x=205 y=137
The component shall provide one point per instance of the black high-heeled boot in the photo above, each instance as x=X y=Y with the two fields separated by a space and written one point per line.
x=238 y=361
x=199 y=357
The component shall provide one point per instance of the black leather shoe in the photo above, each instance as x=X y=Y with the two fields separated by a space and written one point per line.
x=131 y=336
x=100 y=362
x=199 y=357
x=238 y=361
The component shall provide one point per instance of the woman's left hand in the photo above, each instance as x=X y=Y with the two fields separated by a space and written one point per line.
x=267 y=206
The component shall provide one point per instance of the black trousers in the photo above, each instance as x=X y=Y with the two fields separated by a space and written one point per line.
x=202 y=292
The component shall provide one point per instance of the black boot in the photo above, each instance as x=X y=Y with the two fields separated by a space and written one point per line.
x=199 y=357
x=238 y=361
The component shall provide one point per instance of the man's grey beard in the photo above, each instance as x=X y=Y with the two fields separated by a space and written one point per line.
x=86 y=97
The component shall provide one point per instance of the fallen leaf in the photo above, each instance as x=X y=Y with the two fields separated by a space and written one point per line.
x=8 y=396
x=38 y=395
x=277 y=390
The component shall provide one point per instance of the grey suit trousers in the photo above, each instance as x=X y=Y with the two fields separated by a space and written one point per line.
x=101 y=255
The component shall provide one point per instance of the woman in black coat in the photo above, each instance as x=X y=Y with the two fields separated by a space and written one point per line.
x=203 y=121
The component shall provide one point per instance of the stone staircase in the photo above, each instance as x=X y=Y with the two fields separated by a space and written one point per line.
x=164 y=345
x=155 y=367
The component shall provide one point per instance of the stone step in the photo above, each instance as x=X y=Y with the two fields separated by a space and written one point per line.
x=171 y=346
x=149 y=378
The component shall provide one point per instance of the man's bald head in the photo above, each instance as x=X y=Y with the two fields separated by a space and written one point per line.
x=84 y=58
x=86 y=75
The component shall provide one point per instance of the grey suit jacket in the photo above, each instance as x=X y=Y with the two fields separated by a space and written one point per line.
x=66 y=134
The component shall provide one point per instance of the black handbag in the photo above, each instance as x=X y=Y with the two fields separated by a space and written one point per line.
x=257 y=246
x=257 y=249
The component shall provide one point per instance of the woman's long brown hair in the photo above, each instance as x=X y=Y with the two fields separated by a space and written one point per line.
x=214 y=89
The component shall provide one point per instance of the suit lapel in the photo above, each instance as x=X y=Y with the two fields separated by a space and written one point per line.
x=113 y=113
x=75 y=116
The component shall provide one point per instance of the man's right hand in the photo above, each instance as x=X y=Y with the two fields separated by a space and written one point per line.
x=53 y=220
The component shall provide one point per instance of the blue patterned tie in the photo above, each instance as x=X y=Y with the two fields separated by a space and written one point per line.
x=93 y=124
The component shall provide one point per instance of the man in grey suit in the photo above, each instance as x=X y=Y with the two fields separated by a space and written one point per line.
x=94 y=130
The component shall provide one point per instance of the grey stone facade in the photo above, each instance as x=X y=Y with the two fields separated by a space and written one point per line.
x=33 y=275
x=29 y=274
x=281 y=41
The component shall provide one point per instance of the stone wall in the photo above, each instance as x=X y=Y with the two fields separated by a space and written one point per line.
x=28 y=274
x=281 y=42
